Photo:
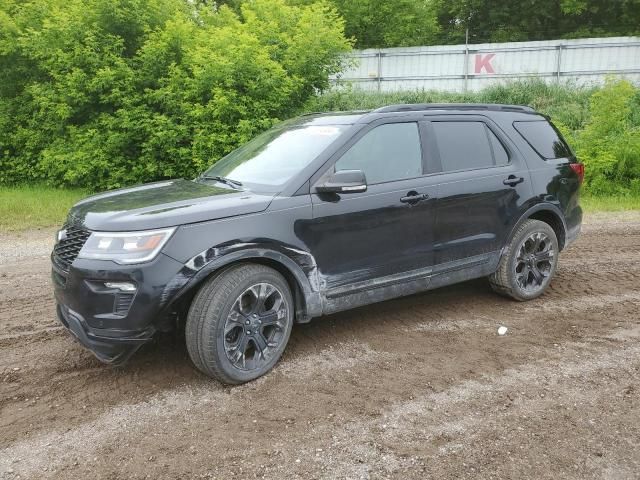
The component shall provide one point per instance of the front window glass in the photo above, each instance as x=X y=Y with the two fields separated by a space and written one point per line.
x=386 y=153
x=271 y=159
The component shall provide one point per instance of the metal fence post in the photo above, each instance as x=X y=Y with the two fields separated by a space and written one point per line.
x=559 y=63
x=379 y=70
x=466 y=59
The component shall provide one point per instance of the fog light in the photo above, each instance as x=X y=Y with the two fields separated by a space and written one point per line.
x=122 y=286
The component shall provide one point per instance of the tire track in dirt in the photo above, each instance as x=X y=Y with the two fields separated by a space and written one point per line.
x=27 y=304
x=348 y=369
x=395 y=431
x=38 y=334
x=332 y=359
x=580 y=305
x=400 y=446
x=50 y=449
x=109 y=387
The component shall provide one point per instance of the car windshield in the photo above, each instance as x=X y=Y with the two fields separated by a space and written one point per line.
x=271 y=159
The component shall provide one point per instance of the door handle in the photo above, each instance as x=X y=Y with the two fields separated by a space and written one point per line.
x=414 y=197
x=512 y=180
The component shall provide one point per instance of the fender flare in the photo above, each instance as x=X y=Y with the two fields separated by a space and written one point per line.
x=305 y=276
x=538 y=207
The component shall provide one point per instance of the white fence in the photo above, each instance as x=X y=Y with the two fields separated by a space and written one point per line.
x=472 y=67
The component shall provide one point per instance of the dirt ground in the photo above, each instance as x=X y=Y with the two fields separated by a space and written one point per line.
x=421 y=387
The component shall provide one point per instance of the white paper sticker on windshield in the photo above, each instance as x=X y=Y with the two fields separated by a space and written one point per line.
x=324 y=130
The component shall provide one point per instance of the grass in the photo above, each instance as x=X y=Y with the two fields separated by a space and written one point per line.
x=609 y=204
x=27 y=207
x=565 y=103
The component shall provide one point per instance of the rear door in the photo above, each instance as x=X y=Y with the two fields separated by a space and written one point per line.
x=483 y=183
x=385 y=232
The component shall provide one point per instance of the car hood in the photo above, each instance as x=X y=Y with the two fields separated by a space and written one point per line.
x=164 y=204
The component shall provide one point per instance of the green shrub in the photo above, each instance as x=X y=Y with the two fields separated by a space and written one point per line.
x=601 y=124
x=567 y=104
x=105 y=93
x=609 y=144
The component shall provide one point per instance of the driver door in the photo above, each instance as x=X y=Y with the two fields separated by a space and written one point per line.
x=370 y=244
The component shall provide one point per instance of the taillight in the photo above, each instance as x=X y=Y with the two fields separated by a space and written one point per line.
x=579 y=169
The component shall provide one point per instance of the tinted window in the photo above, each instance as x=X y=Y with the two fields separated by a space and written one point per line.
x=268 y=161
x=543 y=138
x=386 y=153
x=499 y=153
x=468 y=145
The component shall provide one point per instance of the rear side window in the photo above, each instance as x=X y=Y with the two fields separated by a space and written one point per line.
x=543 y=138
x=468 y=145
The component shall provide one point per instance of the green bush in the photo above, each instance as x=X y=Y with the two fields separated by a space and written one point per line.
x=601 y=124
x=609 y=144
x=105 y=93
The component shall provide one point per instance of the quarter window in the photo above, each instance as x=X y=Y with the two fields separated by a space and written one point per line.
x=468 y=145
x=544 y=139
x=386 y=153
x=500 y=155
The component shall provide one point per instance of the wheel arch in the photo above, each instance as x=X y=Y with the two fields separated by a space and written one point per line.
x=301 y=277
x=549 y=214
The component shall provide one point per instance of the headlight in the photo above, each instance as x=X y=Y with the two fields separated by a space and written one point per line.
x=125 y=247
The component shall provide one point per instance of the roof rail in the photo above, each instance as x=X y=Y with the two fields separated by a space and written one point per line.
x=418 y=107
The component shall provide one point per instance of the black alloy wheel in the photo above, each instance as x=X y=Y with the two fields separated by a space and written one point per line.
x=255 y=326
x=239 y=323
x=528 y=261
x=534 y=262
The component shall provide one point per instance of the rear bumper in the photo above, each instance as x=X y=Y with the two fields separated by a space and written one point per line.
x=573 y=222
x=112 y=347
x=572 y=235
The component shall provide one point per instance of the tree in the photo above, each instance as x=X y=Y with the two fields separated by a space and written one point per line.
x=399 y=23
x=105 y=93
x=381 y=23
x=505 y=20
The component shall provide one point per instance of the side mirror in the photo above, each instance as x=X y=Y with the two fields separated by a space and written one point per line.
x=344 y=181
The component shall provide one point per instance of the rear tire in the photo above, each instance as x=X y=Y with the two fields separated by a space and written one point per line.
x=239 y=323
x=528 y=262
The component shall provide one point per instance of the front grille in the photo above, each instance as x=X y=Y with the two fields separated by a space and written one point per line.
x=59 y=279
x=66 y=251
x=123 y=303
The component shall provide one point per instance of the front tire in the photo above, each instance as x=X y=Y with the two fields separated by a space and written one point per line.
x=528 y=262
x=239 y=323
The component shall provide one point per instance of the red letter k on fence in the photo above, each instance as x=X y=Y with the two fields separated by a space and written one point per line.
x=484 y=62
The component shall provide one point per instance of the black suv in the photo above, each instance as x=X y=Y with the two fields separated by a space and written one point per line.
x=322 y=213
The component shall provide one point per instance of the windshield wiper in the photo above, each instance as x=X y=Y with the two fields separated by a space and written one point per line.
x=227 y=181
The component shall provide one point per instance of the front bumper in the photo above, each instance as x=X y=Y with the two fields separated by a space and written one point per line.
x=111 y=323
x=112 y=347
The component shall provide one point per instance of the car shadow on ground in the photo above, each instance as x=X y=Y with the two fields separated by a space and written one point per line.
x=167 y=353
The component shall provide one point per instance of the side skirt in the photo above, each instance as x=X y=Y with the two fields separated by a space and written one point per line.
x=407 y=283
